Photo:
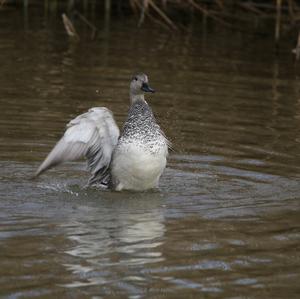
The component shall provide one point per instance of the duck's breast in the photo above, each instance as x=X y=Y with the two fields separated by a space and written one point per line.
x=137 y=167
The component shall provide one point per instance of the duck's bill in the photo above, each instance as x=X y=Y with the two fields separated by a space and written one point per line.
x=147 y=88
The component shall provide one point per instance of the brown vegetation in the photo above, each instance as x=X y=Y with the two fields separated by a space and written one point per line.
x=285 y=14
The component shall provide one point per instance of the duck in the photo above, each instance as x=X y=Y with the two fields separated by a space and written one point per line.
x=133 y=159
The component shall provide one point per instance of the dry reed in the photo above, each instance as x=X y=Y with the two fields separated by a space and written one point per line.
x=226 y=12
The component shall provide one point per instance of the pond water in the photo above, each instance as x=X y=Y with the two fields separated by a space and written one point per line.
x=225 y=222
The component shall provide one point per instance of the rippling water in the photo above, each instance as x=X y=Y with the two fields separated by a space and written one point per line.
x=225 y=222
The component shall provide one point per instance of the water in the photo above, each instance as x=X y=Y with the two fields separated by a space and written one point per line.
x=225 y=221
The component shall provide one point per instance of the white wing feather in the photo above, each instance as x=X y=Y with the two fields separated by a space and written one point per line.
x=92 y=135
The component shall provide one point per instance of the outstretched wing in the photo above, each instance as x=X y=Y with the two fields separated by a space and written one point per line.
x=92 y=135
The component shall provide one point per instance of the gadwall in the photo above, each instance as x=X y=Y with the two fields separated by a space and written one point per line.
x=133 y=160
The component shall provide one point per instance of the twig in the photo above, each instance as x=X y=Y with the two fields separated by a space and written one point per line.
x=163 y=15
x=86 y=21
x=70 y=29
x=199 y=7
x=155 y=20
x=159 y=11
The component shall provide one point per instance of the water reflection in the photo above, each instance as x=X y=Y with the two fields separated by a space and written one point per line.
x=129 y=234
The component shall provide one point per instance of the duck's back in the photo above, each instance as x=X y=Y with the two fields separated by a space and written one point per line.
x=140 y=155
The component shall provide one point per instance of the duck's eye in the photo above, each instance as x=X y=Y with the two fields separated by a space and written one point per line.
x=135 y=78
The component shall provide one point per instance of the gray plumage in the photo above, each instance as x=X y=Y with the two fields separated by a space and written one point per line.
x=133 y=161
x=141 y=127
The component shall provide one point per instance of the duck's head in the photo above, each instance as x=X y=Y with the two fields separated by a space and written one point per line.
x=139 y=85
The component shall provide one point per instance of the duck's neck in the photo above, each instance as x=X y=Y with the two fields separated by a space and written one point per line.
x=136 y=98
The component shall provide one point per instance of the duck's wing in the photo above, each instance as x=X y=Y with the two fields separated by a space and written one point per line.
x=92 y=135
